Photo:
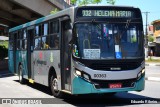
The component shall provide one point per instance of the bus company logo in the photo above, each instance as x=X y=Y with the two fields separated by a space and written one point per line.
x=6 y=101
x=21 y=101
x=40 y=55
x=115 y=68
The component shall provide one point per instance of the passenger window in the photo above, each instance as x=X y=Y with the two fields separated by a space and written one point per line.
x=45 y=42
x=24 y=40
x=54 y=41
x=38 y=30
x=37 y=44
x=54 y=27
x=45 y=29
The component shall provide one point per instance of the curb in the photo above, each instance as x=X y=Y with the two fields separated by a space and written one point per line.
x=153 y=79
x=152 y=64
x=6 y=74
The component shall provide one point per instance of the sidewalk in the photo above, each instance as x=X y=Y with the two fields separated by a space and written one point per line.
x=152 y=76
x=154 y=63
x=151 y=64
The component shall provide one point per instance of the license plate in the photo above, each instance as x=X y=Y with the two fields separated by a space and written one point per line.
x=116 y=85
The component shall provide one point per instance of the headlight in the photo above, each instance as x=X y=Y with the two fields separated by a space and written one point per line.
x=140 y=74
x=143 y=70
x=82 y=75
x=78 y=72
x=86 y=76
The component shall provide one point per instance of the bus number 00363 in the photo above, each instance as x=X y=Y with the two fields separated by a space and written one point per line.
x=100 y=75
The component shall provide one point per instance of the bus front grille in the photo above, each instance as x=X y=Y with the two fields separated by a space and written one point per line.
x=105 y=83
x=115 y=66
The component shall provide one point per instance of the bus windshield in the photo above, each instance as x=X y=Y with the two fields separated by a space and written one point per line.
x=108 y=41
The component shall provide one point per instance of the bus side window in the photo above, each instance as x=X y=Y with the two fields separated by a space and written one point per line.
x=18 y=40
x=54 y=36
x=24 y=40
x=37 y=44
x=45 y=37
x=37 y=38
x=54 y=41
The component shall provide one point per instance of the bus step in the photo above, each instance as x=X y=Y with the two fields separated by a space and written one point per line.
x=66 y=91
x=31 y=81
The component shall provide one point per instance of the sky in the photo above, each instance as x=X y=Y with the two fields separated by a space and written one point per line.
x=152 y=6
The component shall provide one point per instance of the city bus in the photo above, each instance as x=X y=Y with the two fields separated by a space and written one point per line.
x=81 y=50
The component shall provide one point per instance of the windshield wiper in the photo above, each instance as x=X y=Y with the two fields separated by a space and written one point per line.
x=127 y=24
x=126 y=27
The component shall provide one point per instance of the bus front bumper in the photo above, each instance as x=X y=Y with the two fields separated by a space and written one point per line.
x=80 y=86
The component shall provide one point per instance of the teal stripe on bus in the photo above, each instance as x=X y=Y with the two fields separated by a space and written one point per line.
x=27 y=24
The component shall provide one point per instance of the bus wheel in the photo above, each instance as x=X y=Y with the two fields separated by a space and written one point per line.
x=21 y=79
x=54 y=87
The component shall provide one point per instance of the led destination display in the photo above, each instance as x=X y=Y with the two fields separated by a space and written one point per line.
x=105 y=13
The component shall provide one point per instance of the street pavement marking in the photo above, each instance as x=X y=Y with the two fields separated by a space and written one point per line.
x=152 y=64
x=153 y=78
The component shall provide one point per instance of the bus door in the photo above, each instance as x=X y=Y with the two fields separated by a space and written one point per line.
x=65 y=55
x=30 y=43
x=14 y=51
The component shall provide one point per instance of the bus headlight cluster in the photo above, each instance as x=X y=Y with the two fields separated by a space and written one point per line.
x=78 y=72
x=140 y=74
x=86 y=76
x=143 y=71
x=82 y=74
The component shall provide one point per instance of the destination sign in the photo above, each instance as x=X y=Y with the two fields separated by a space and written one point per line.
x=105 y=13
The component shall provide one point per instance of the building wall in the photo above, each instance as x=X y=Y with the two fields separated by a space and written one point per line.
x=156 y=27
x=156 y=33
x=150 y=30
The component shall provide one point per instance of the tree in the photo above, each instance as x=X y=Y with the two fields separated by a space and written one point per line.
x=85 y=2
x=111 y=1
x=97 y=1
x=73 y=2
x=150 y=38
x=54 y=11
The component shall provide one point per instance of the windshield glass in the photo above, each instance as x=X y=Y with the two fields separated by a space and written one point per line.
x=108 y=41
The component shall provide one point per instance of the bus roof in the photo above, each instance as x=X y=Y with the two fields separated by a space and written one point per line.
x=117 y=6
x=65 y=12
x=110 y=5
x=68 y=11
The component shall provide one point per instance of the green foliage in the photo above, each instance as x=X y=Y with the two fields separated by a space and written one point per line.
x=3 y=49
x=111 y=2
x=85 y=2
x=150 y=38
x=4 y=43
x=73 y=2
x=3 y=52
x=54 y=11
x=97 y=1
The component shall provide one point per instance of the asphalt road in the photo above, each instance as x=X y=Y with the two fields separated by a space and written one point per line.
x=152 y=71
x=11 y=88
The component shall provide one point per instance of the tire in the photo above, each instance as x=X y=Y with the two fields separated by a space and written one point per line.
x=21 y=79
x=54 y=87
